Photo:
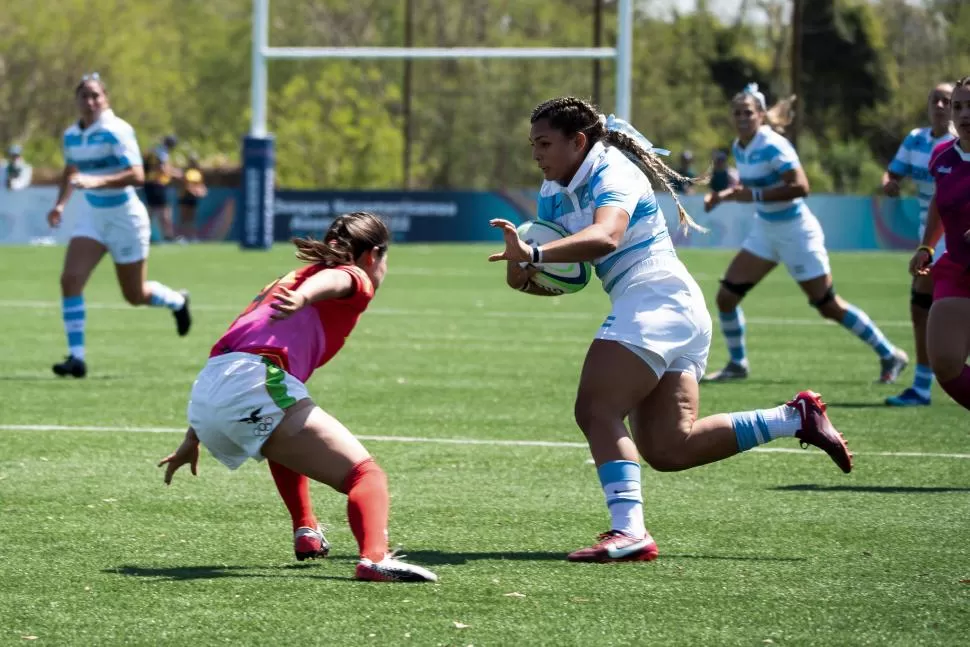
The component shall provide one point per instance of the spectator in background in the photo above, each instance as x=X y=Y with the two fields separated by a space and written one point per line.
x=193 y=189
x=17 y=172
x=723 y=175
x=158 y=175
x=686 y=169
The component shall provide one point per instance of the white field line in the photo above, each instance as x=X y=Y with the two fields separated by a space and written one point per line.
x=477 y=311
x=461 y=441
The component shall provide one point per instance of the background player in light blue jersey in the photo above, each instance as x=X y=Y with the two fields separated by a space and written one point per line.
x=102 y=159
x=912 y=160
x=785 y=231
x=652 y=349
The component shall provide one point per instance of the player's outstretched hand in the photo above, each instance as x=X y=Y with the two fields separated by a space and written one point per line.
x=287 y=304
x=515 y=248
x=188 y=452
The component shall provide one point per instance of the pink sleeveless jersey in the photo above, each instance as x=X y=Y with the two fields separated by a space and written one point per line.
x=308 y=339
x=950 y=167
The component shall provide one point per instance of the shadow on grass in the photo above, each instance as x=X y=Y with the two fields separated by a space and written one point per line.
x=439 y=558
x=56 y=378
x=187 y=573
x=872 y=489
x=860 y=405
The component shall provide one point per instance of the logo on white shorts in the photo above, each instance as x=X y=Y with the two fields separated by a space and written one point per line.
x=263 y=424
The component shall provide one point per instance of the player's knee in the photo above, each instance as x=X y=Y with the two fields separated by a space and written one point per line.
x=946 y=366
x=730 y=294
x=590 y=414
x=921 y=300
x=72 y=282
x=133 y=296
x=665 y=452
x=828 y=305
x=669 y=458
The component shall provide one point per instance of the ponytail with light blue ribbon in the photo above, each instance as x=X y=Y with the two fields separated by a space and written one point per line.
x=614 y=123
x=751 y=89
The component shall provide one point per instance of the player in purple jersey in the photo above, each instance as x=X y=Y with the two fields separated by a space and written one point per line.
x=948 y=333
x=912 y=160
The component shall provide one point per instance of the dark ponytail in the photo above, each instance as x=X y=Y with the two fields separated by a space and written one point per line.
x=571 y=116
x=349 y=236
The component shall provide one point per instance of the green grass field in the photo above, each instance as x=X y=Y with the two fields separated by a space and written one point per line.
x=766 y=548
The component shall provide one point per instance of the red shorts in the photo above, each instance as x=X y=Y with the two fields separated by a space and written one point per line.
x=950 y=279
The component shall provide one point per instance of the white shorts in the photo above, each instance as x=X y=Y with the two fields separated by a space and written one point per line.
x=125 y=230
x=798 y=243
x=659 y=313
x=237 y=401
x=940 y=246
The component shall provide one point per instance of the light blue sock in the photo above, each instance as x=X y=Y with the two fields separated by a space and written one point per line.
x=73 y=315
x=753 y=428
x=164 y=296
x=862 y=327
x=732 y=325
x=923 y=380
x=624 y=496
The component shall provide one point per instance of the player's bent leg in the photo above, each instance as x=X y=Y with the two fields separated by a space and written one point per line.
x=822 y=296
x=615 y=377
x=668 y=434
x=670 y=439
x=921 y=299
x=311 y=442
x=83 y=256
x=949 y=346
x=138 y=291
x=745 y=271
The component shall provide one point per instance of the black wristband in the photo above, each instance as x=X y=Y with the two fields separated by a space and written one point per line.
x=536 y=254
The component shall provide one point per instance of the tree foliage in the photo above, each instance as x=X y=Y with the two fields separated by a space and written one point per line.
x=184 y=67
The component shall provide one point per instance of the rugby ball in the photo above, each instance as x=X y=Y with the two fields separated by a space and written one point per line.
x=558 y=278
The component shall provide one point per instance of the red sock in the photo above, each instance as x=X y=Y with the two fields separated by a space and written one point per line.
x=294 y=489
x=959 y=388
x=368 y=505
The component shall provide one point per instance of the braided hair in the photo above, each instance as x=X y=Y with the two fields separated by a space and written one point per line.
x=570 y=115
x=349 y=236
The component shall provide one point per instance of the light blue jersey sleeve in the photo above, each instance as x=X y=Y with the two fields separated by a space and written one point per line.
x=70 y=140
x=125 y=146
x=616 y=187
x=783 y=158
x=902 y=164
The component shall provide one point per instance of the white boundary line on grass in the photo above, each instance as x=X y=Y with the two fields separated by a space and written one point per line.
x=459 y=441
x=475 y=311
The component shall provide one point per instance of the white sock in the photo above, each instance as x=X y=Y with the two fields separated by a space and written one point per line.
x=624 y=496
x=164 y=296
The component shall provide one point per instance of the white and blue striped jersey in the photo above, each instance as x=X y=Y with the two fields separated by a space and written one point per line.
x=607 y=178
x=913 y=159
x=107 y=146
x=761 y=164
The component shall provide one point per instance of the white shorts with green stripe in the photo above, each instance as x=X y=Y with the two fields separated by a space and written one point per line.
x=237 y=401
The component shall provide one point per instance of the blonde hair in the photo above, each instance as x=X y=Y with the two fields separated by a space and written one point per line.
x=571 y=115
x=779 y=116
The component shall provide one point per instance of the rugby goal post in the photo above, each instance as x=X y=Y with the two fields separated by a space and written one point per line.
x=258 y=152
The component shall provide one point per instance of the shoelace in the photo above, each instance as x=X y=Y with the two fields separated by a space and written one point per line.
x=609 y=534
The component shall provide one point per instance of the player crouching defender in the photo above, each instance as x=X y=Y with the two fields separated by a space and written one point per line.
x=249 y=401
